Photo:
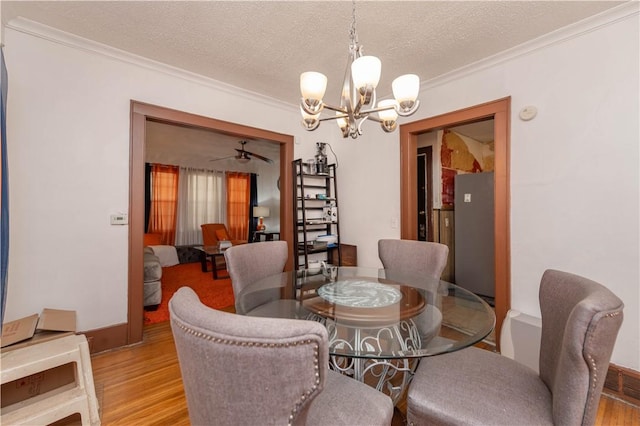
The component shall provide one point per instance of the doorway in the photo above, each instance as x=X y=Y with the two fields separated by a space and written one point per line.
x=140 y=113
x=425 y=193
x=499 y=110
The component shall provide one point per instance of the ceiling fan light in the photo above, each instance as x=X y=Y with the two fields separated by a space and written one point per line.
x=405 y=90
x=365 y=72
x=312 y=86
x=242 y=159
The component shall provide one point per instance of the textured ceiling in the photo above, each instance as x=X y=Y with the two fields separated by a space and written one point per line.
x=263 y=46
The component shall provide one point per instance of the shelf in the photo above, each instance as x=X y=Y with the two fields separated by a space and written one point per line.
x=319 y=223
x=306 y=185
x=312 y=250
x=313 y=175
x=317 y=199
x=310 y=213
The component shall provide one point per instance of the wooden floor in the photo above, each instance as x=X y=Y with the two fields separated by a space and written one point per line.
x=141 y=385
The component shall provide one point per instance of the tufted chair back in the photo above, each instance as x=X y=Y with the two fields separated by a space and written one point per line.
x=580 y=322
x=420 y=257
x=249 y=263
x=242 y=370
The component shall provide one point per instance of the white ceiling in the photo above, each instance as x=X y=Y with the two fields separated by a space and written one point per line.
x=263 y=46
x=196 y=147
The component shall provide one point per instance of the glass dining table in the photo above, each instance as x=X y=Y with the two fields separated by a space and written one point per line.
x=380 y=322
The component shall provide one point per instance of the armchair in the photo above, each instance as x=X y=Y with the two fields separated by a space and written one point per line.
x=580 y=322
x=248 y=370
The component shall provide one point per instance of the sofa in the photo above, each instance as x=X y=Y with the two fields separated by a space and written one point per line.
x=152 y=293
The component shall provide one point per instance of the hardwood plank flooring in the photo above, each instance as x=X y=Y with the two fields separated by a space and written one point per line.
x=141 y=385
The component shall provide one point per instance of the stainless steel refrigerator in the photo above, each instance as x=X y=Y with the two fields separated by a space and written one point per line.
x=474 y=233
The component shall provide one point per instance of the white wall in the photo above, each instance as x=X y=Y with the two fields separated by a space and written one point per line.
x=68 y=142
x=574 y=169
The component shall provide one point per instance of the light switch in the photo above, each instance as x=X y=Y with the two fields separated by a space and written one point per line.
x=394 y=222
x=467 y=198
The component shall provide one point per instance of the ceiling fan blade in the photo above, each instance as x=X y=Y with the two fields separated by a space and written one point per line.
x=223 y=158
x=268 y=160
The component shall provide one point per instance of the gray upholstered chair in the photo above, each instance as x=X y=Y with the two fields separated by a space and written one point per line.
x=580 y=322
x=419 y=257
x=248 y=263
x=240 y=370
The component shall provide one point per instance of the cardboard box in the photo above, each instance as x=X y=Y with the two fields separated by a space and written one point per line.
x=57 y=320
x=56 y=379
x=52 y=323
x=34 y=329
x=18 y=330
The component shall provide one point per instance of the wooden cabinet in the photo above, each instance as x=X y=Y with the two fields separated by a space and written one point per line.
x=348 y=255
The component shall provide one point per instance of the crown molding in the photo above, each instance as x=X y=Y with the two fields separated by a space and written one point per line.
x=73 y=41
x=624 y=11
x=609 y=17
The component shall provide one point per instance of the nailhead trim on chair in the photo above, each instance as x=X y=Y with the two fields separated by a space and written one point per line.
x=305 y=395
x=594 y=369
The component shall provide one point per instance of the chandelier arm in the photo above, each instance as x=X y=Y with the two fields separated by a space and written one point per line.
x=378 y=109
x=332 y=117
x=337 y=109
x=310 y=111
x=362 y=120
x=310 y=127
x=413 y=109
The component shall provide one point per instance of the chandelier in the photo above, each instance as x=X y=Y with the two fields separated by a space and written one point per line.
x=358 y=99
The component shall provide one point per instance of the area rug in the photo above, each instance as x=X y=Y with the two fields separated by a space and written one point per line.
x=216 y=294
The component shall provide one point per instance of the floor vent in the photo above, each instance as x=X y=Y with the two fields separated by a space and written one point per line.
x=623 y=383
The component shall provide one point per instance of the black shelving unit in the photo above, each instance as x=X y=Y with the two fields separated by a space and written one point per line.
x=315 y=213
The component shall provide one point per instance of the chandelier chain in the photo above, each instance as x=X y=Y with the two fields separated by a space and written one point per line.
x=353 y=35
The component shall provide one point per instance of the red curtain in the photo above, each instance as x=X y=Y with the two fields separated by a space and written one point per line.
x=164 y=202
x=238 y=196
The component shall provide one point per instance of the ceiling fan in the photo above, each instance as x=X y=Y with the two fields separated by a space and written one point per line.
x=244 y=156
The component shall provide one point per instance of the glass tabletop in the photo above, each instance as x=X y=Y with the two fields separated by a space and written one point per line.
x=374 y=313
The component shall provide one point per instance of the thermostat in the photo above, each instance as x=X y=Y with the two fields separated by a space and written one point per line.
x=119 y=219
x=528 y=113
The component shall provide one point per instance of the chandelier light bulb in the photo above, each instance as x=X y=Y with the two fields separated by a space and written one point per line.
x=405 y=90
x=312 y=86
x=309 y=121
x=365 y=72
x=388 y=114
x=309 y=118
x=341 y=121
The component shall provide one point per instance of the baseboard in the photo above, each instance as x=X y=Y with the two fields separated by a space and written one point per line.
x=103 y=339
x=623 y=383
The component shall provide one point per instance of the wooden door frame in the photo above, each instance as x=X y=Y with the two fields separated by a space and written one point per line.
x=500 y=111
x=140 y=112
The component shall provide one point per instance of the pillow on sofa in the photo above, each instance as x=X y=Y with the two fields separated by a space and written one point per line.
x=167 y=254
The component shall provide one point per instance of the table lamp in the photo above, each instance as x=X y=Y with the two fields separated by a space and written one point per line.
x=260 y=212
